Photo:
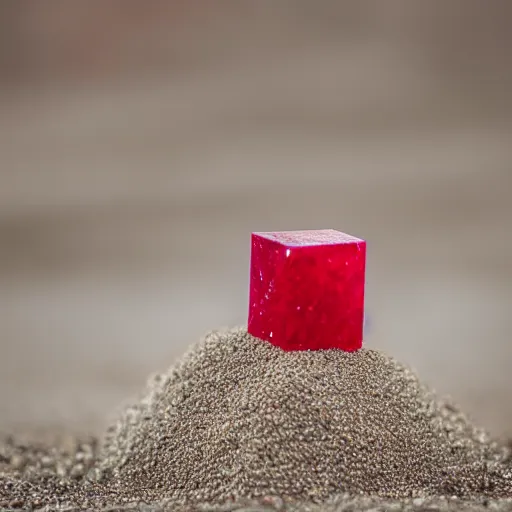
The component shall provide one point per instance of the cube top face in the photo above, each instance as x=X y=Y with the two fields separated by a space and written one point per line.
x=309 y=237
x=307 y=289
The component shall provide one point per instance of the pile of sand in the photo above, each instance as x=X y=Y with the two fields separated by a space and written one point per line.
x=240 y=418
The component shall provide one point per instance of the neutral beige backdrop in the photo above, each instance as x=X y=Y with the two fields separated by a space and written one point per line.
x=140 y=146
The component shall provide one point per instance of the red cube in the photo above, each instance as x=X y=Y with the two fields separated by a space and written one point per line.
x=307 y=289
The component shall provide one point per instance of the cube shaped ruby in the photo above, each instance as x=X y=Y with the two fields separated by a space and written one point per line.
x=307 y=289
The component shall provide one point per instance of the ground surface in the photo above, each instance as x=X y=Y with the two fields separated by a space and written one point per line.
x=57 y=472
x=34 y=490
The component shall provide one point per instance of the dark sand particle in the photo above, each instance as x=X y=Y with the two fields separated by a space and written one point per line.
x=240 y=420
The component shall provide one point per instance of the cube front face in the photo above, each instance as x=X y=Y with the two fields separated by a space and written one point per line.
x=307 y=289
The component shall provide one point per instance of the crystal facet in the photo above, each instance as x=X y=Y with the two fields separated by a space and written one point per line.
x=307 y=289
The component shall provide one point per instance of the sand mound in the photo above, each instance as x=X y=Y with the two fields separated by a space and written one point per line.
x=239 y=418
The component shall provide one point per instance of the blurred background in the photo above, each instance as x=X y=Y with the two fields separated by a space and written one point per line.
x=142 y=142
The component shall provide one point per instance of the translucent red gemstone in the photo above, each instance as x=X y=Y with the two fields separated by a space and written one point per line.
x=307 y=289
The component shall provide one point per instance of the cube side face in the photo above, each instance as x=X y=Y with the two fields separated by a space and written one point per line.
x=310 y=297
x=266 y=262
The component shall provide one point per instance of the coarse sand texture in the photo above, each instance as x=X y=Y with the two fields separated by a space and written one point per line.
x=240 y=418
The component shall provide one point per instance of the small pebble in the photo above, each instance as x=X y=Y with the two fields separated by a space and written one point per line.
x=77 y=471
x=47 y=461
x=18 y=462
